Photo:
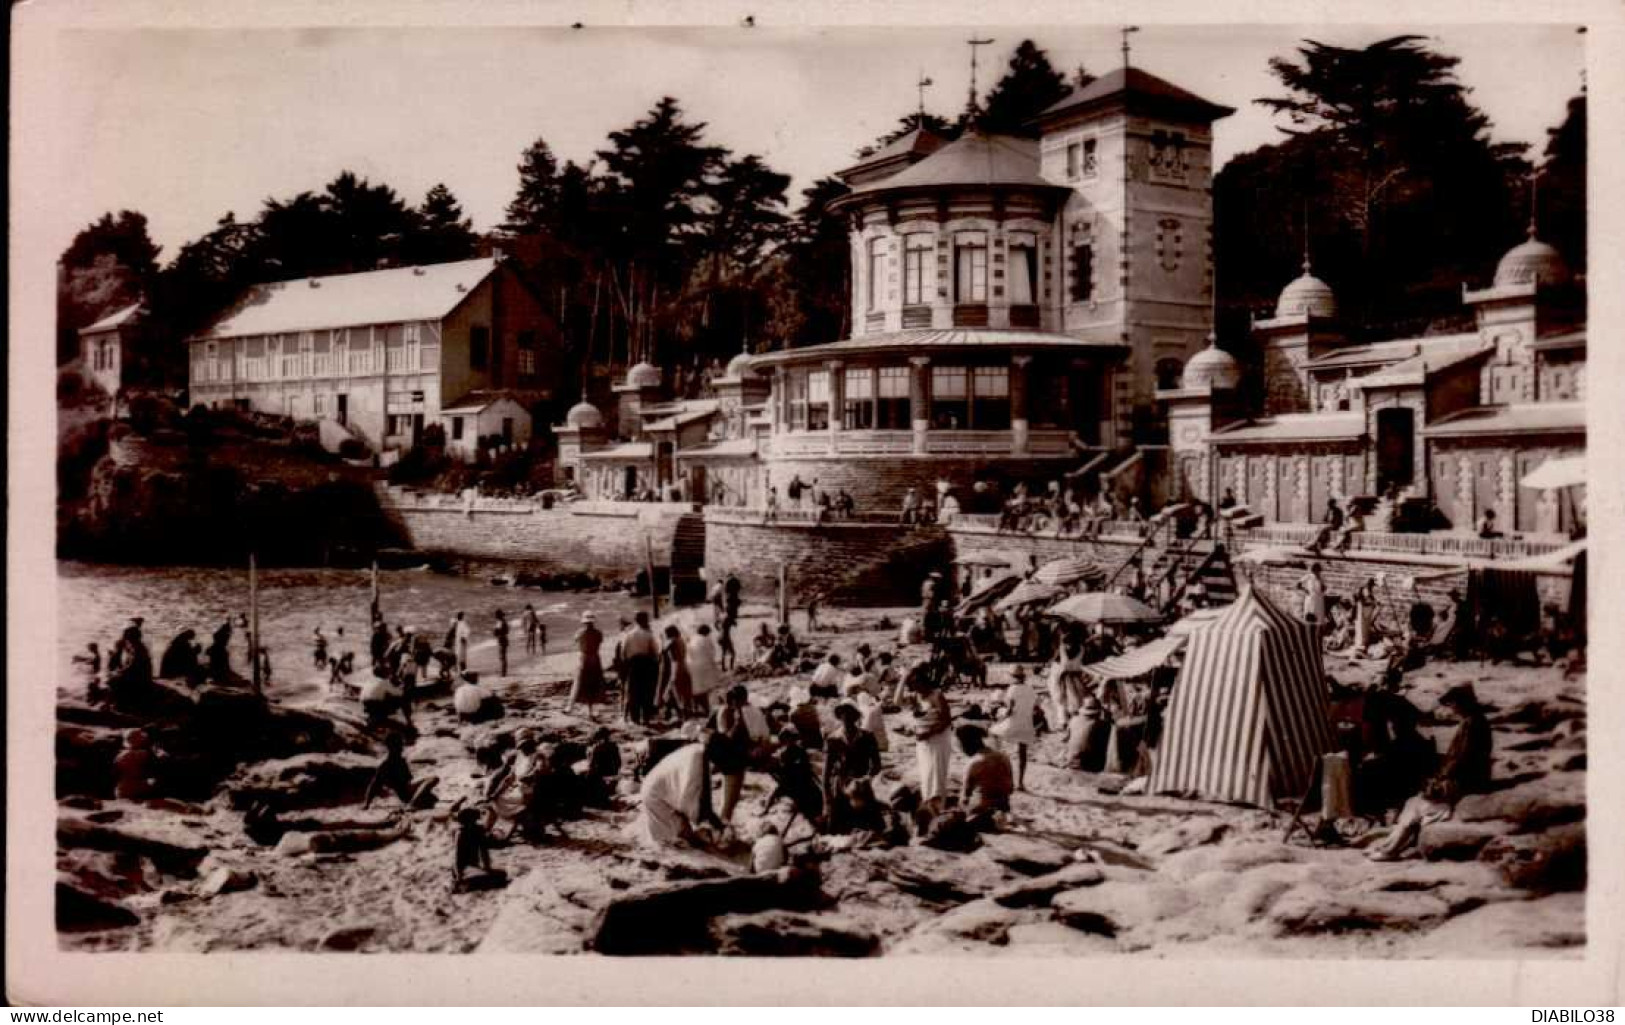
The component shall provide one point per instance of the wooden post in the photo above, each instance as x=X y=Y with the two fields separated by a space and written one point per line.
x=375 y=602
x=254 y=624
x=784 y=593
x=649 y=560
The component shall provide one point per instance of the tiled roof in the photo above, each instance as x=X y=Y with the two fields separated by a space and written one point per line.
x=350 y=300
x=972 y=159
x=1527 y=418
x=115 y=319
x=729 y=447
x=479 y=401
x=687 y=413
x=928 y=339
x=1373 y=352
x=1436 y=355
x=1135 y=83
x=919 y=141
x=1292 y=427
x=626 y=450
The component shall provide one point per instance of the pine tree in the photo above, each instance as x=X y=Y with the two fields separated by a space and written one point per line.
x=1029 y=87
x=442 y=233
x=535 y=208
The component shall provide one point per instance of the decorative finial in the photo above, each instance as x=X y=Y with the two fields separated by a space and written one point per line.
x=921 y=86
x=1306 y=264
x=1534 y=202
x=1126 y=31
x=974 y=106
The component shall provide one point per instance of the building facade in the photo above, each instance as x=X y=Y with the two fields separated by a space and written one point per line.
x=381 y=353
x=104 y=348
x=1450 y=424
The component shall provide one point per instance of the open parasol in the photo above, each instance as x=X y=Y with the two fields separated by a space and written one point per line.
x=1070 y=571
x=1029 y=592
x=1105 y=607
x=1567 y=472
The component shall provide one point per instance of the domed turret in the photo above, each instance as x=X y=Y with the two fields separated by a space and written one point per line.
x=1531 y=261
x=739 y=367
x=584 y=415
x=1306 y=295
x=1211 y=368
x=643 y=375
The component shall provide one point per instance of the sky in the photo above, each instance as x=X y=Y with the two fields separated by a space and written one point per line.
x=184 y=125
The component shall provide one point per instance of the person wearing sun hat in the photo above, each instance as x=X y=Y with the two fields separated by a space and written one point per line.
x=588 y=688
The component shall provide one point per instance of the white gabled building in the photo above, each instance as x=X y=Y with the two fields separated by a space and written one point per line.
x=382 y=353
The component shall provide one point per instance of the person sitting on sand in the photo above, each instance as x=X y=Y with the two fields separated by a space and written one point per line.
x=989 y=781
x=136 y=769
x=393 y=773
x=180 y=660
x=1464 y=770
x=850 y=754
x=763 y=644
x=603 y=769
x=380 y=696
x=793 y=779
x=511 y=792
x=827 y=677
x=474 y=703
x=675 y=800
x=805 y=720
x=473 y=848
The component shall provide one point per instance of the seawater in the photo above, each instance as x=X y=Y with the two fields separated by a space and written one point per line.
x=96 y=602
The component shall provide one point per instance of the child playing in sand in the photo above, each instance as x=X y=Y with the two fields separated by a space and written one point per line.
x=473 y=847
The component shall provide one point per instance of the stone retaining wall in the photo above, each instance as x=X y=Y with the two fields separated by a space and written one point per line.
x=886 y=563
x=602 y=538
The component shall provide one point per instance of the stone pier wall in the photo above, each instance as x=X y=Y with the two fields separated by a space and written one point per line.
x=874 y=563
x=598 y=537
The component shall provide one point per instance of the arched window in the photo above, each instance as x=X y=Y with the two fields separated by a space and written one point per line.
x=1169 y=373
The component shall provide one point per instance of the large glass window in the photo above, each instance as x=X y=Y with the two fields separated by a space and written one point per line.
x=818 y=400
x=360 y=351
x=990 y=399
x=290 y=356
x=858 y=399
x=970 y=268
x=916 y=259
x=950 y=398
x=1090 y=163
x=798 y=400
x=877 y=272
x=527 y=354
x=891 y=399
x=1073 y=154
x=1023 y=270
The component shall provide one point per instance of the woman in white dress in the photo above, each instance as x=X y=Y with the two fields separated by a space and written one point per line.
x=1066 y=680
x=1017 y=727
x=704 y=670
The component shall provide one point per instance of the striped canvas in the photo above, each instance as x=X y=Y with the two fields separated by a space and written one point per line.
x=1248 y=717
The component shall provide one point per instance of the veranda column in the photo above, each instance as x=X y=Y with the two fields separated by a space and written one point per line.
x=837 y=401
x=1018 y=404
x=918 y=399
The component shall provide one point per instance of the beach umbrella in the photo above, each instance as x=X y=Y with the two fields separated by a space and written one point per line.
x=1029 y=592
x=1104 y=607
x=1567 y=472
x=985 y=596
x=1070 y=571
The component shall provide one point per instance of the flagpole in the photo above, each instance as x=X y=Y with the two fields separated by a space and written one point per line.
x=254 y=624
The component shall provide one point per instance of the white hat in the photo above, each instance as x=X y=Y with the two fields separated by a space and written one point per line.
x=587 y=617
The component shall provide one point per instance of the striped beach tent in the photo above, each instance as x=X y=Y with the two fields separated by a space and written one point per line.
x=1248 y=718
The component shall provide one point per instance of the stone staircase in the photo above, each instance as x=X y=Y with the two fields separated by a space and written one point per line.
x=687 y=559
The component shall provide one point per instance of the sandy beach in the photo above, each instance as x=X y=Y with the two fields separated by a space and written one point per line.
x=1082 y=868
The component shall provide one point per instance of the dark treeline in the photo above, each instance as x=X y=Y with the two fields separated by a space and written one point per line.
x=666 y=246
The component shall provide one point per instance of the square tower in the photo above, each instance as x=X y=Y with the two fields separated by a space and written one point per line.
x=1135 y=235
